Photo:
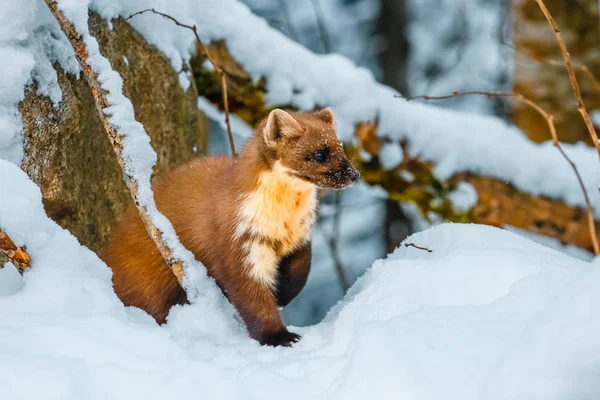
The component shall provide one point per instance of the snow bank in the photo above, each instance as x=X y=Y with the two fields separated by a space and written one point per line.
x=487 y=313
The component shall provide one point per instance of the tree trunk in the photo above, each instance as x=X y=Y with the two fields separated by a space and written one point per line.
x=67 y=153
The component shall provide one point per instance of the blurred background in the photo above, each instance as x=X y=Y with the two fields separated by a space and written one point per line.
x=434 y=47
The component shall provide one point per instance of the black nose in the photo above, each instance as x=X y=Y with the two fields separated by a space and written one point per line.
x=354 y=175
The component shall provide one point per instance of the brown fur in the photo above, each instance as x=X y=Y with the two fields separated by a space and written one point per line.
x=247 y=220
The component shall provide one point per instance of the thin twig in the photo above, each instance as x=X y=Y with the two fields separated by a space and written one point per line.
x=459 y=94
x=418 y=247
x=17 y=256
x=321 y=26
x=572 y=77
x=550 y=121
x=219 y=70
x=100 y=96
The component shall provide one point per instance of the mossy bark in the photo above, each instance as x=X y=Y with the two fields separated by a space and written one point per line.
x=67 y=152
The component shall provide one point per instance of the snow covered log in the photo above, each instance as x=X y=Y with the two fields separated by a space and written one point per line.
x=496 y=202
x=66 y=151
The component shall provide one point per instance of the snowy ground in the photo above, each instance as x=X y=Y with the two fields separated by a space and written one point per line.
x=486 y=315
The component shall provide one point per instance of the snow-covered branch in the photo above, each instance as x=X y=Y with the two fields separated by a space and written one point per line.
x=549 y=118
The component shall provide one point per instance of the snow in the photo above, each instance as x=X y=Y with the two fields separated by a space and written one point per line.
x=486 y=314
x=557 y=354
x=464 y=197
x=390 y=155
x=349 y=26
x=569 y=249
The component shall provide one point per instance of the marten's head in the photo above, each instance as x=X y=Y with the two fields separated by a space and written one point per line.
x=306 y=147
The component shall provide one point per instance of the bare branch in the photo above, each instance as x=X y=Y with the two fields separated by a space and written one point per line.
x=550 y=121
x=9 y=252
x=572 y=78
x=219 y=70
x=418 y=247
x=102 y=103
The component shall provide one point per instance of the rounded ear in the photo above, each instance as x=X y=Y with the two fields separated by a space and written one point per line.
x=326 y=115
x=279 y=124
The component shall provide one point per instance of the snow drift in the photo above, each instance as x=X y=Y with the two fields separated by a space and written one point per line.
x=486 y=314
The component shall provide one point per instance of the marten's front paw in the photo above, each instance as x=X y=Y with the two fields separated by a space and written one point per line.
x=282 y=338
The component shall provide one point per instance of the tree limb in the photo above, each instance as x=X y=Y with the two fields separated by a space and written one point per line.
x=550 y=121
x=418 y=247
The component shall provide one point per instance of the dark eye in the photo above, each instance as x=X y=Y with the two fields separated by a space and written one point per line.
x=320 y=156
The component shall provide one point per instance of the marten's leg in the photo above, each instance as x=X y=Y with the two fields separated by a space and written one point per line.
x=257 y=306
x=293 y=273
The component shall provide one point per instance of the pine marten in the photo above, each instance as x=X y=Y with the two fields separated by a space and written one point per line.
x=247 y=219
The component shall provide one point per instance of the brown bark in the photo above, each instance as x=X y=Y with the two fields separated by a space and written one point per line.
x=101 y=101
